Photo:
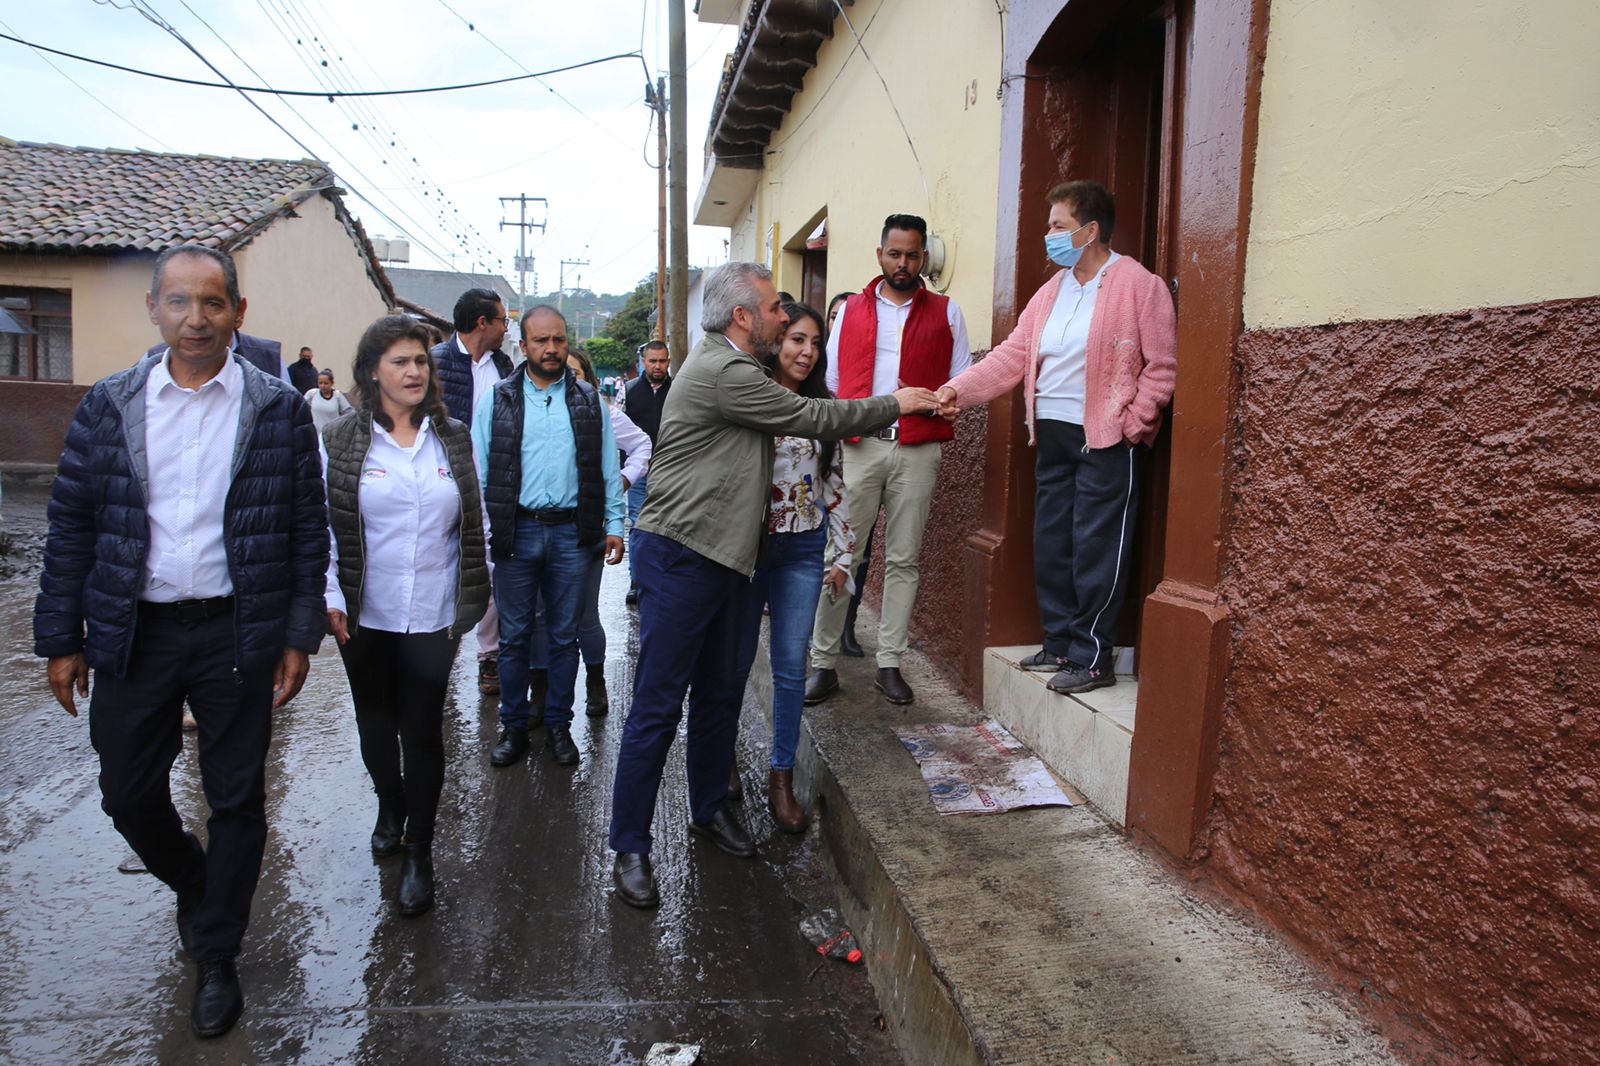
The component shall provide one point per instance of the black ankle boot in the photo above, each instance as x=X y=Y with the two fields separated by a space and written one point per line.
x=848 y=644
x=597 y=702
x=390 y=828
x=416 y=879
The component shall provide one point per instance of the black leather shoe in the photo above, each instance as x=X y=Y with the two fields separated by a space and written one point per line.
x=390 y=828
x=562 y=749
x=726 y=833
x=416 y=880
x=632 y=600
x=893 y=686
x=512 y=747
x=849 y=645
x=217 y=999
x=820 y=685
x=635 y=881
x=596 y=703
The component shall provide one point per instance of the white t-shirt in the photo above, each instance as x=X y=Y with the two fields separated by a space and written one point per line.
x=329 y=410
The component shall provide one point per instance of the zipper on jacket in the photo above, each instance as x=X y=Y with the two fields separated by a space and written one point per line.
x=361 y=532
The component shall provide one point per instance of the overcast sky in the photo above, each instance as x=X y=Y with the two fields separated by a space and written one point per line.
x=452 y=154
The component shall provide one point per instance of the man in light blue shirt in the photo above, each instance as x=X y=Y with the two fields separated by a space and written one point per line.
x=553 y=491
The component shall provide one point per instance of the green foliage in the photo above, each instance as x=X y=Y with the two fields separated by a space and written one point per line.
x=608 y=354
x=630 y=326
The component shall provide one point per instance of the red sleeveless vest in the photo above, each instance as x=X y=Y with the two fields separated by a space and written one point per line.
x=925 y=347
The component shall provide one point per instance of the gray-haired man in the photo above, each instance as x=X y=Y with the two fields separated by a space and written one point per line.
x=697 y=539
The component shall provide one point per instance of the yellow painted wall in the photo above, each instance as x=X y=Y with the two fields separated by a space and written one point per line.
x=306 y=284
x=303 y=281
x=1422 y=157
x=842 y=149
x=110 y=327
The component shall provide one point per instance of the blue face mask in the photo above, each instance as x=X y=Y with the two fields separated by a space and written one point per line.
x=1058 y=246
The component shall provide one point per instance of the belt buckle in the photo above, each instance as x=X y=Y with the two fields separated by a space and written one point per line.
x=889 y=433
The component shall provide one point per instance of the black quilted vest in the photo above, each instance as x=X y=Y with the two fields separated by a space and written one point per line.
x=503 y=489
x=348 y=440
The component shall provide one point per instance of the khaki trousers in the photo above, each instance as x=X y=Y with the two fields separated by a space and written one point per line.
x=901 y=479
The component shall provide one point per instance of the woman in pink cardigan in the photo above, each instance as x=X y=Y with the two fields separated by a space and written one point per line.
x=1094 y=353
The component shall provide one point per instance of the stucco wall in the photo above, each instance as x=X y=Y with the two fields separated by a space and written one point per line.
x=110 y=327
x=1415 y=158
x=842 y=150
x=307 y=285
x=1408 y=776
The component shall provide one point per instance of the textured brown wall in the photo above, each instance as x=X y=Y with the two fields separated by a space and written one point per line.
x=37 y=415
x=1409 y=773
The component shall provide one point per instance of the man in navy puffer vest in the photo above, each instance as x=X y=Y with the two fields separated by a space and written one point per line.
x=186 y=559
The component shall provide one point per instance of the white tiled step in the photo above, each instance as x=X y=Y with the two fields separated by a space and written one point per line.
x=1086 y=739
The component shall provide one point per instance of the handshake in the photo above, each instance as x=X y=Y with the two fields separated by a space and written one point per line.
x=915 y=401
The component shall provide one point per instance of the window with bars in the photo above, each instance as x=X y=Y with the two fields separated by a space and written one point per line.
x=45 y=352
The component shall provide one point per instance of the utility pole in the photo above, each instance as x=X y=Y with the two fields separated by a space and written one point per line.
x=524 y=264
x=677 y=181
x=657 y=98
x=561 y=292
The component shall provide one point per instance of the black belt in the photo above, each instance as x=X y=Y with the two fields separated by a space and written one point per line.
x=887 y=433
x=189 y=610
x=550 y=516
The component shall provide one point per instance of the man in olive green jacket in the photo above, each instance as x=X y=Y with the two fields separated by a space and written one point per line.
x=698 y=538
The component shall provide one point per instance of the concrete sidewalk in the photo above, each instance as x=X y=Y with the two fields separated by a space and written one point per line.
x=1040 y=936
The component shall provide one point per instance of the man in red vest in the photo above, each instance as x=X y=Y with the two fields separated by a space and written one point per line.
x=893 y=333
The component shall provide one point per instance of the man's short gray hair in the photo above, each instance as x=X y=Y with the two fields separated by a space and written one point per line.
x=731 y=285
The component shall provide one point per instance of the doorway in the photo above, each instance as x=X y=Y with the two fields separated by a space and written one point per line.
x=1107 y=111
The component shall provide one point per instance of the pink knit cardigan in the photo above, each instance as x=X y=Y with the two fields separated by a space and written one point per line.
x=1131 y=362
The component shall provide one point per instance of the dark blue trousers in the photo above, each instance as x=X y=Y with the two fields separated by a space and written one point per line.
x=136 y=725
x=689 y=611
x=1083 y=522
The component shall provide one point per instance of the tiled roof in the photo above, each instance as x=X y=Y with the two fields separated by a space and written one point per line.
x=62 y=199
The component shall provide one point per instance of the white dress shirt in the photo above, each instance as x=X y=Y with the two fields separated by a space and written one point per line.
x=485 y=375
x=410 y=510
x=891 y=324
x=1064 y=348
x=189 y=441
x=634 y=442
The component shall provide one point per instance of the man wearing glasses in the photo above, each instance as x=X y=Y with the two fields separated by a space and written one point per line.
x=469 y=364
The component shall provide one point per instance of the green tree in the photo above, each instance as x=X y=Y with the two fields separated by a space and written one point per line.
x=631 y=325
x=607 y=354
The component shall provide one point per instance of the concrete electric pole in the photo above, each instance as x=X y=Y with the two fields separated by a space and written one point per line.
x=524 y=264
x=657 y=98
x=561 y=292
x=677 y=182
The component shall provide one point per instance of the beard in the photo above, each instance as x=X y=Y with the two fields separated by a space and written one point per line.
x=901 y=286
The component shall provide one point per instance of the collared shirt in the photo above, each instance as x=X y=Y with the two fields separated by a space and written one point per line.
x=1064 y=348
x=485 y=375
x=410 y=510
x=891 y=324
x=189 y=438
x=550 y=453
x=634 y=442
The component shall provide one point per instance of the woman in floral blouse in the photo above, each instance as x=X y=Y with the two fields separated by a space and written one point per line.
x=809 y=545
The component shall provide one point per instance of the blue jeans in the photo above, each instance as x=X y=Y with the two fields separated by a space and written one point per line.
x=636 y=495
x=688 y=628
x=788 y=582
x=549 y=564
x=591 y=634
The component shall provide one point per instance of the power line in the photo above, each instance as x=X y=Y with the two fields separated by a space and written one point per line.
x=267 y=90
x=140 y=129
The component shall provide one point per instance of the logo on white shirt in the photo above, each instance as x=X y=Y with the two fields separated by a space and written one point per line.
x=373 y=473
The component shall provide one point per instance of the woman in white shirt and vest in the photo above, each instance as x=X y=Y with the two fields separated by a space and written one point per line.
x=408 y=575
x=809 y=546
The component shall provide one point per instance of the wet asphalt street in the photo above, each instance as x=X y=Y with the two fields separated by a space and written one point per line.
x=526 y=956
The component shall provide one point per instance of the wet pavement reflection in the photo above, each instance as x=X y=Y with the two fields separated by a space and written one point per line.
x=525 y=957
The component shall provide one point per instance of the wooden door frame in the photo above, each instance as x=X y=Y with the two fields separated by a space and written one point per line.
x=1213 y=68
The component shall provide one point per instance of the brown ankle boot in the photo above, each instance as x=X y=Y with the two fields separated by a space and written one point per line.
x=786 y=810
